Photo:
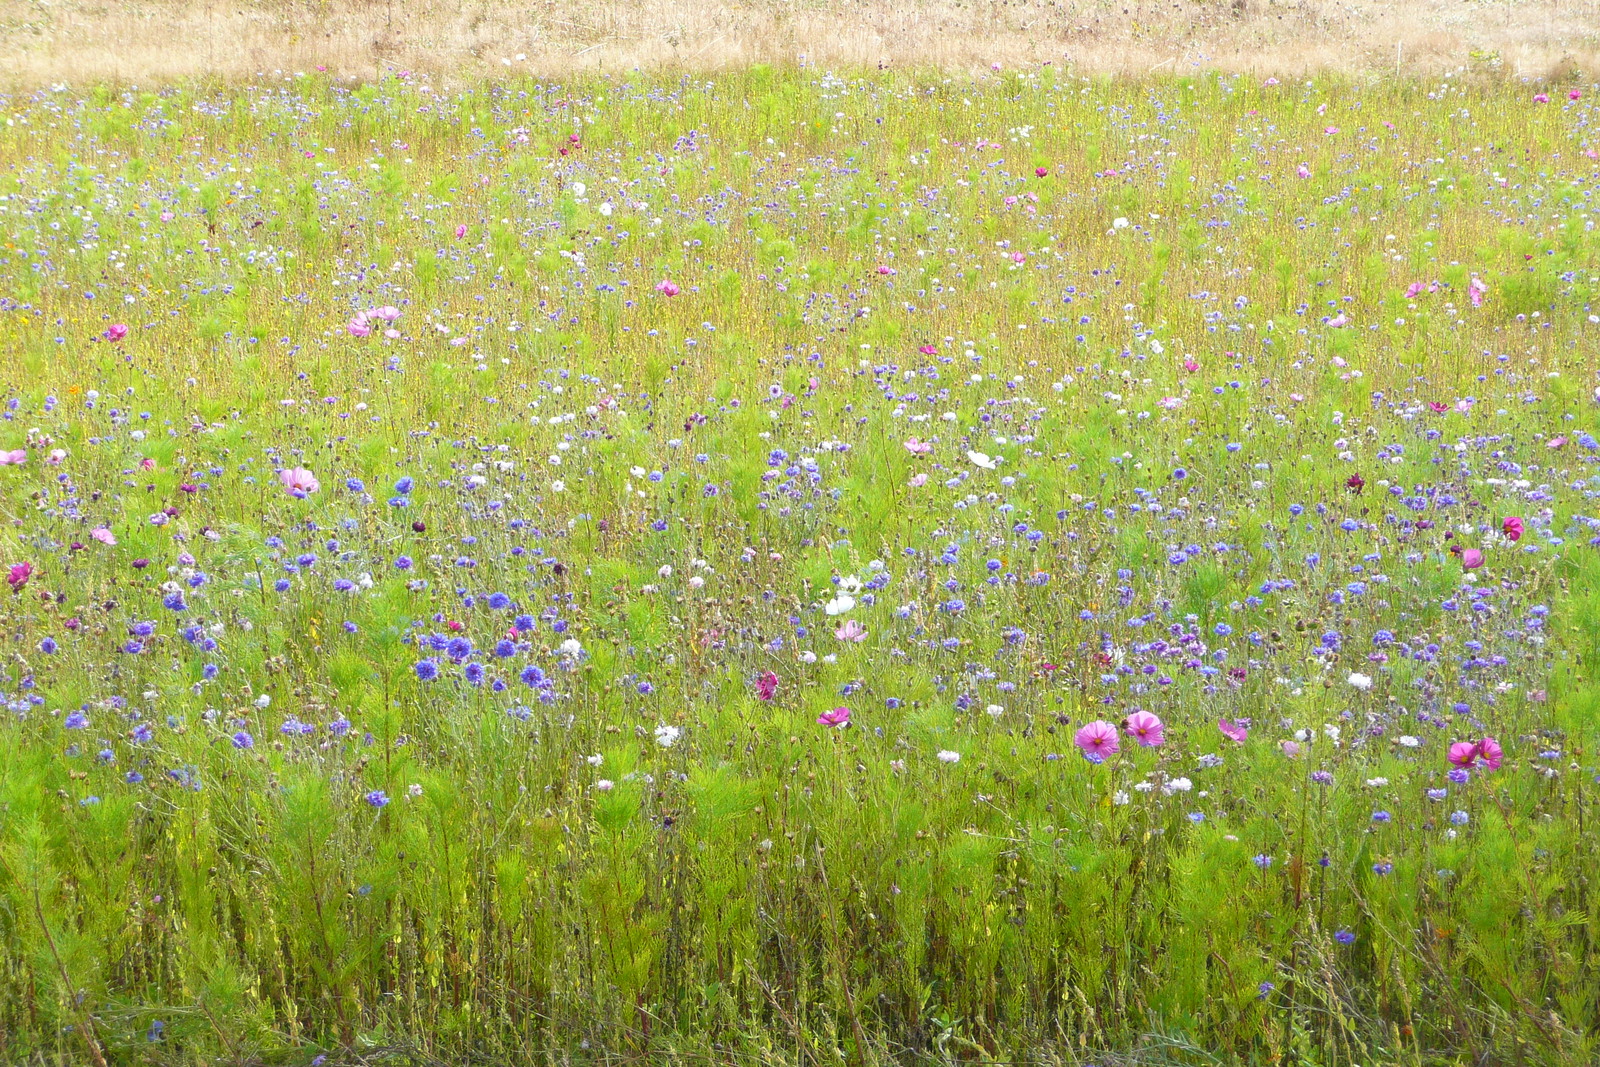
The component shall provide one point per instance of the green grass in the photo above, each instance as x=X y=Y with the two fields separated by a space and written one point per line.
x=261 y=829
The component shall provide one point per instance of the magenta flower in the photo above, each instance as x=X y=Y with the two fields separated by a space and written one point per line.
x=1233 y=731
x=928 y=350
x=1490 y=752
x=1512 y=528
x=851 y=631
x=1541 y=98
x=667 y=287
x=1574 y=94
x=1471 y=558
x=300 y=482
x=19 y=575
x=1464 y=754
x=766 y=686
x=116 y=332
x=461 y=231
x=1040 y=172
x=1098 y=738
x=1145 y=728
x=837 y=717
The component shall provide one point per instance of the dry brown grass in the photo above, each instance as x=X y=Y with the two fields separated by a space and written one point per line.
x=47 y=41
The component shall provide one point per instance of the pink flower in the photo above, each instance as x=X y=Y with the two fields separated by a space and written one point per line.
x=1464 y=754
x=918 y=447
x=15 y=458
x=1190 y=365
x=298 y=481
x=1512 y=528
x=358 y=326
x=387 y=313
x=1541 y=98
x=928 y=350
x=19 y=575
x=116 y=332
x=1471 y=558
x=1270 y=81
x=103 y=535
x=1330 y=129
x=851 y=631
x=1413 y=289
x=1302 y=171
x=766 y=686
x=667 y=287
x=147 y=464
x=884 y=268
x=1040 y=172
x=1476 y=290
x=1491 y=753
x=1290 y=748
x=56 y=456
x=1574 y=94
x=461 y=231
x=1098 y=738
x=917 y=481
x=1145 y=728
x=1233 y=731
x=837 y=717
x=1437 y=407
x=1339 y=320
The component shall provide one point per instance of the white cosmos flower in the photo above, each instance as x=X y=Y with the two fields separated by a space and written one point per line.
x=1361 y=681
x=667 y=736
x=946 y=756
x=983 y=460
x=839 y=604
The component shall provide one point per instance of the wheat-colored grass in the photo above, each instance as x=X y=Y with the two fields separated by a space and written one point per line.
x=143 y=40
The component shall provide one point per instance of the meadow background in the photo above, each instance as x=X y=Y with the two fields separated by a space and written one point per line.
x=626 y=568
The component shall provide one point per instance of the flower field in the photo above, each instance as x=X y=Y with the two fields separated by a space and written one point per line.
x=793 y=568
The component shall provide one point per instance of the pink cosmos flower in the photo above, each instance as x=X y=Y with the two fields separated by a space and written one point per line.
x=1490 y=752
x=148 y=463
x=1471 y=558
x=1190 y=365
x=1339 y=320
x=1040 y=172
x=1476 y=289
x=116 y=332
x=1438 y=408
x=1541 y=98
x=298 y=481
x=1145 y=728
x=1302 y=171
x=1330 y=129
x=1512 y=528
x=918 y=447
x=928 y=350
x=461 y=231
x=766 y=686
x=851 y=631
x=387 y=313
x=103 y=535
x=19 y=575
x=667 y=287
x=15 y=458
x=1290 y=748
x=884 y=268
x=1464 y=754
x=917 y=481
x=1574 y=94
x=1233 y=731
x=56 y=456
x=359 y=326
x=1556 y=442
x=1098 y=738
x=1413 y=289
x=837 y=717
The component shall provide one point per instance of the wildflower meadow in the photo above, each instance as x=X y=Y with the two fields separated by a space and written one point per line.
x=791 y=568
